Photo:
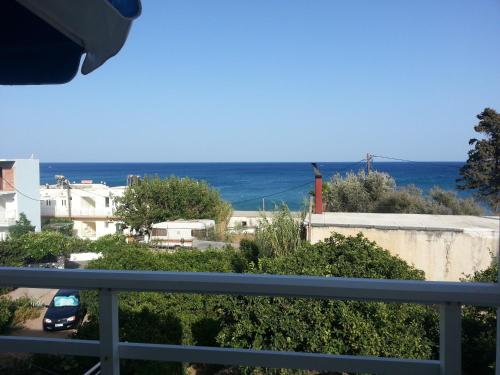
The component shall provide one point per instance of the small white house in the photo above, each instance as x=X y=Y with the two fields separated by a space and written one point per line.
x=180 y=232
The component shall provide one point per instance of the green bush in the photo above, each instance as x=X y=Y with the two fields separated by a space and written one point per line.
x=268 y=323
x=25 y=309
x=356 y=192
x=14 y=313
x=331 y=326
x=161 y=317
x=21 y=227
x=60 y=225
x=377 y=192
x=5 y=314
x=479 y=330
x=46 y=246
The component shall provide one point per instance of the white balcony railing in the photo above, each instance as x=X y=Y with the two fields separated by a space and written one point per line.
x=448 y=295
x=51 y=211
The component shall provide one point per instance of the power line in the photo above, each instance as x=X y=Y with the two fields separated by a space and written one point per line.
x=437 y=164
x=391 y=158
x=88 y=191
x=19 y=191
x=273 y=194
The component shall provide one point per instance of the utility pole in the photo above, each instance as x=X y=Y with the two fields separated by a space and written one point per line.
x=68 y=190
x=369 y=163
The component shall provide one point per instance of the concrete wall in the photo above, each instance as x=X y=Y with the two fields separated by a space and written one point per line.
x=27 y=180
x=444 y=255
x=93 y=229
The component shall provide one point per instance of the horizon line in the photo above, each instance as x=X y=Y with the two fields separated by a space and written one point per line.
x=246 y=162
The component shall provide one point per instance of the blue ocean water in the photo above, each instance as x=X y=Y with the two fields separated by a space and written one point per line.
x=245 y=184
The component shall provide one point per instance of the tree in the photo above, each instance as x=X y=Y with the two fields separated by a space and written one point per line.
x=481 y=172
x=22 y=226
x=154 y=200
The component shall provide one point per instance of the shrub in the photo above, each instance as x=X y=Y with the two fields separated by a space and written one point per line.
x=331 y=326
x=346 y=327
x=46 y=246
x=161 y=317
x=356 y=192
x=479 y=330
x=448 y=203
x=5 y=314
x=14 y=313
x=60 y=225
x=25 y=309
x=21 y=227
x=407 y=200
x=377 y=192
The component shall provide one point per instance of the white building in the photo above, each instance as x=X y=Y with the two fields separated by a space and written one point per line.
x=248 y=221
x=19 y=179
x=180 y=232
x=90 y=206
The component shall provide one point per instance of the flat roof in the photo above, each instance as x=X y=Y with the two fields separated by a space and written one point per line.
x=457 y=223
x=256 y=213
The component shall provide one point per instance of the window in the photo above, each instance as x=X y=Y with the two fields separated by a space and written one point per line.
x=47 y=202
x=244 y=224
x=64 y=202
x=160 y=232
x=106 y=201
x=62 y=301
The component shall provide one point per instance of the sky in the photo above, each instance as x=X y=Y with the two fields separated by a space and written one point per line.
x=272 y=80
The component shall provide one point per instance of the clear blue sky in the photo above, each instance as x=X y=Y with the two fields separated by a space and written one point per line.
x=272 y=80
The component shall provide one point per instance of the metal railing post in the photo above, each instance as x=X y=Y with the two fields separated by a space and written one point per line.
x=108 y=332
x=450 y=339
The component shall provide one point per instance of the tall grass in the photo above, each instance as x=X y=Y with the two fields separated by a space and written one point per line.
x=279 y=235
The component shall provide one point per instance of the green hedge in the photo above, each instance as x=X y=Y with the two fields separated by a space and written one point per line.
x=348 y=327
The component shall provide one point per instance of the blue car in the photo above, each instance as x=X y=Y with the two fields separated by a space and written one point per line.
x=64 y=312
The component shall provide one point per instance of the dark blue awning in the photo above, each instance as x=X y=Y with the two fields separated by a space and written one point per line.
x=42 y=41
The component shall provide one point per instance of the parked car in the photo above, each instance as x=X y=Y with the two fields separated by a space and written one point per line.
x=64 y=311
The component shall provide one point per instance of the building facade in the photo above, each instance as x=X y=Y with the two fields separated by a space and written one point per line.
x=19 y=184
x=90 y=206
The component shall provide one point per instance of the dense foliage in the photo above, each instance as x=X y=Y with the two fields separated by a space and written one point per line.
x=279 y=234
x=330 y=326
x=479 y=330
x=60 y=225
x=263 y=322
x=21 y=227
x=153 y=200
x=34 y=247
x=481 y=172
x=162 y=317
x=377 y=192
x=13 y=313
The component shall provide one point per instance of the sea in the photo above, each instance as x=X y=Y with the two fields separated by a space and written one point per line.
x=254 y=186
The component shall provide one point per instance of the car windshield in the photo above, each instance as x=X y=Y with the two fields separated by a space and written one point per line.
x=61 y=301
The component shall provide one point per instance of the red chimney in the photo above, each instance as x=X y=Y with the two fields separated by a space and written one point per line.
x=318 y=190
